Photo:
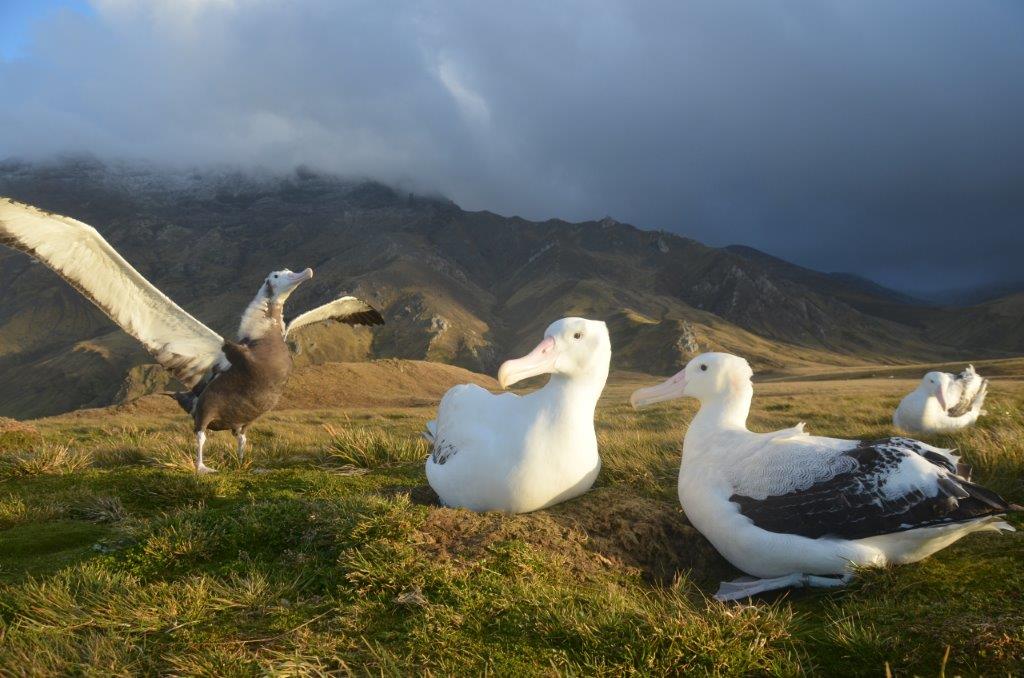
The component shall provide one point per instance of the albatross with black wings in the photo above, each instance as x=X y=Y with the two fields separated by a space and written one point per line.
x=796 y=509
x=896 y=484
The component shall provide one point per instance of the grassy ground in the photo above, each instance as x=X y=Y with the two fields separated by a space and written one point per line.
x=324 y=553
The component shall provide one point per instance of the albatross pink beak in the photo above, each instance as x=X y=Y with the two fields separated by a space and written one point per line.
x=670 y=389
x=540 y=360
x=302 y=276
x=294 y=280
x=940 y=393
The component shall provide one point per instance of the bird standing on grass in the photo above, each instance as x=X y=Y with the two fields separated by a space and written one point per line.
x=230 y=383
x=797 y=510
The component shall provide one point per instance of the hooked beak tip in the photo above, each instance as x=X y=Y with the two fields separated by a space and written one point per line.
x=503 y=380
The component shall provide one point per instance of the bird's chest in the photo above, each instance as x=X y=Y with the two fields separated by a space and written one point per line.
x=271 y=364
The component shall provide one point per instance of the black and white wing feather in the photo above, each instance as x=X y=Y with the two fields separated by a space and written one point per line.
x=892 y=485
x=348 y=310
x=79 y=254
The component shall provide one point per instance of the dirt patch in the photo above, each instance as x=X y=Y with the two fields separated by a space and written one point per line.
x=604 y=529
x=650 y=535
x=463 y=536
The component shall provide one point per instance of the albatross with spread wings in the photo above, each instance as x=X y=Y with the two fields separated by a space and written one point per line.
x=231 y=383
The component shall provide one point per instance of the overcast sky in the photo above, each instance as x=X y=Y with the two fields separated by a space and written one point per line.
x=884 y=138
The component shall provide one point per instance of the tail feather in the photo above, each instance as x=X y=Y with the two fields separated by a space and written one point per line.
x=430 y=432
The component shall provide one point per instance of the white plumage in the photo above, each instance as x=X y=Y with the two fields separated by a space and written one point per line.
x=80 y=255
x=522 y=453
x=795 y=509
x=942 y=403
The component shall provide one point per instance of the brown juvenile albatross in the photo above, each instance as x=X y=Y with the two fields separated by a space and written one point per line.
x=231 y=383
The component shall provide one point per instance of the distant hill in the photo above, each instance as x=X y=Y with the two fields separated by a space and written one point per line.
x=467 y=288
x=973 y=296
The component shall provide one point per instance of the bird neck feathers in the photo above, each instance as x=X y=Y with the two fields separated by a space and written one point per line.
x=725 y=411
x=261 y=316
x=580 y=392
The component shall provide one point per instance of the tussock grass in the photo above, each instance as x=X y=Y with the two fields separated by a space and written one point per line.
x=44 y=459
x=371 y=447
x=118 y=560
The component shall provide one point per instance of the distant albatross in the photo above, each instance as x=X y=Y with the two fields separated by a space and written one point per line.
x=522 y=453
x=794 y=508
x=231 y=382
x=942 y=403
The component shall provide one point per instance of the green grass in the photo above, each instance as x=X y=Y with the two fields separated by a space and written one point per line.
x=321 y=553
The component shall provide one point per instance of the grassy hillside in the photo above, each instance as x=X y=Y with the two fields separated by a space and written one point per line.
x=325 y=552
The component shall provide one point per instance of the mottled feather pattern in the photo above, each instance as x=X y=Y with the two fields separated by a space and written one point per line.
x=442 y=451
x=970 y=392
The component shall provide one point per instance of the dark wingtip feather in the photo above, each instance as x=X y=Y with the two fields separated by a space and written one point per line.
x=370 y=317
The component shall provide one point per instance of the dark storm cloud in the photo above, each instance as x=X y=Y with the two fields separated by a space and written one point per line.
x=877 y=137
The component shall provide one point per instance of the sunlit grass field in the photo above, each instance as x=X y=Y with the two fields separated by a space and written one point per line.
x=324 y=552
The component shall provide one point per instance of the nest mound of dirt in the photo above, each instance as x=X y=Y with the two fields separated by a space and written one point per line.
x=650 y=535
x=604 y=529
x=463 y=536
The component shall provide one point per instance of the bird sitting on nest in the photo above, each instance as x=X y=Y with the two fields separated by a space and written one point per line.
x=522 y=453
x=801 y=510
x=230 y=383
x=942 y=403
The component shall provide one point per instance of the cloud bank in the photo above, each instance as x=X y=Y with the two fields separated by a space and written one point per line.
x=884 y=138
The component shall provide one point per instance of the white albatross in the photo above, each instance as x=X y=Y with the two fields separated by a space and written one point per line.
x=515 y=453
x=942 y=403
x=796 y=510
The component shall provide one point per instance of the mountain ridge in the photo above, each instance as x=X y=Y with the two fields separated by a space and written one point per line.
x=467 y=288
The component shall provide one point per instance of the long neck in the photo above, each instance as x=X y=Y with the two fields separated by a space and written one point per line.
x=575 y=396
x=262 y=316
x=725 y=411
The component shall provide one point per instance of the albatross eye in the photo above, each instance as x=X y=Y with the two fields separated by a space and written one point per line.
x=703 y=368
x=578 y=335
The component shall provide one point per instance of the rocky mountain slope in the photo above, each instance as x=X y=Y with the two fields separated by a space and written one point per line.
x=467 y=288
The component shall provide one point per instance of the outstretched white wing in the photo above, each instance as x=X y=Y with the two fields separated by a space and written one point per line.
x=348 y=310
x=80 y=255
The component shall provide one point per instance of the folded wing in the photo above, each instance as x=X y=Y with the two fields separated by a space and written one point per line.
x=889 y=485
x=79 y=254
x=969 y=391
x=348 y=310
